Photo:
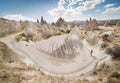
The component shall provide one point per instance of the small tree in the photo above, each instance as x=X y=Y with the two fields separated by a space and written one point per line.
x=53 y=23
x=37 y=21
x=42 y=21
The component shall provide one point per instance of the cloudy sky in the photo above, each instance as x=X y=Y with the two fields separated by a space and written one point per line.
x=70 y=10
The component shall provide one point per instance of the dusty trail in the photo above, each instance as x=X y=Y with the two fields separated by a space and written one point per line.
x=32 y=56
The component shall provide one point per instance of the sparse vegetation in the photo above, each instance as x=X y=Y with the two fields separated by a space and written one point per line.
x=43 y=21
x=114 y=51
x=11 y=69
x=68 y=31
x=8 y=27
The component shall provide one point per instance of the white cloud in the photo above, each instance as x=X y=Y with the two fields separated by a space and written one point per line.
x=61 y=2
x=73 y=2
x=109 y=5
x=97 y=10
x=59 y=11
x=68 y=9
x=112 y=10
x=18 y=17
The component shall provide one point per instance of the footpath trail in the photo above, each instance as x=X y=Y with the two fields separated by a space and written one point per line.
x=79 y=65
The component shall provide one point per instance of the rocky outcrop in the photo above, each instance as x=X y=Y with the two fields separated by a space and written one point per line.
x=64 y=46
x=107 y=36
x=114 y=51
x=31 y=31
x=60 y=22
x=91 y=24
x=8 y=26
x=92 y=38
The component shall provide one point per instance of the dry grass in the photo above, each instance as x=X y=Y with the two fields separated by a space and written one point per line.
x=20 y=30
x=108 y=73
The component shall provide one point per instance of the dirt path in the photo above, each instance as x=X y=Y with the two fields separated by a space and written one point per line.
x=32 y=56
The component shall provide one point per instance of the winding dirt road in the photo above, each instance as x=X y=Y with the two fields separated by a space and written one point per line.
x=77 y=66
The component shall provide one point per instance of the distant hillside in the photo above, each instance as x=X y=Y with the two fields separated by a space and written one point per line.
x=110 y=22
x=100 y=22
x=8 y=26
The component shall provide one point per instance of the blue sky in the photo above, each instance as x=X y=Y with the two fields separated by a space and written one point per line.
x=68 y=9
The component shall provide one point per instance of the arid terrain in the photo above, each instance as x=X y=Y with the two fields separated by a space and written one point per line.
x=60 y=52
x=59 y=41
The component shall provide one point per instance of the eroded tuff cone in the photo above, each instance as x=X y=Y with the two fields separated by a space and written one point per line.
x=30 y=29
x=64 y=46
x=92 y=38
x=63 y=54
x=91 y=24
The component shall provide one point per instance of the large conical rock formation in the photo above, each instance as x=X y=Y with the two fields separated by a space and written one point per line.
x=31 y=31
x=92 y=38
x=64 y=46
x=64 y=54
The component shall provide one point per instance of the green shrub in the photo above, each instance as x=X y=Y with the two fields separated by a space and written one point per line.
x=68 y=31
